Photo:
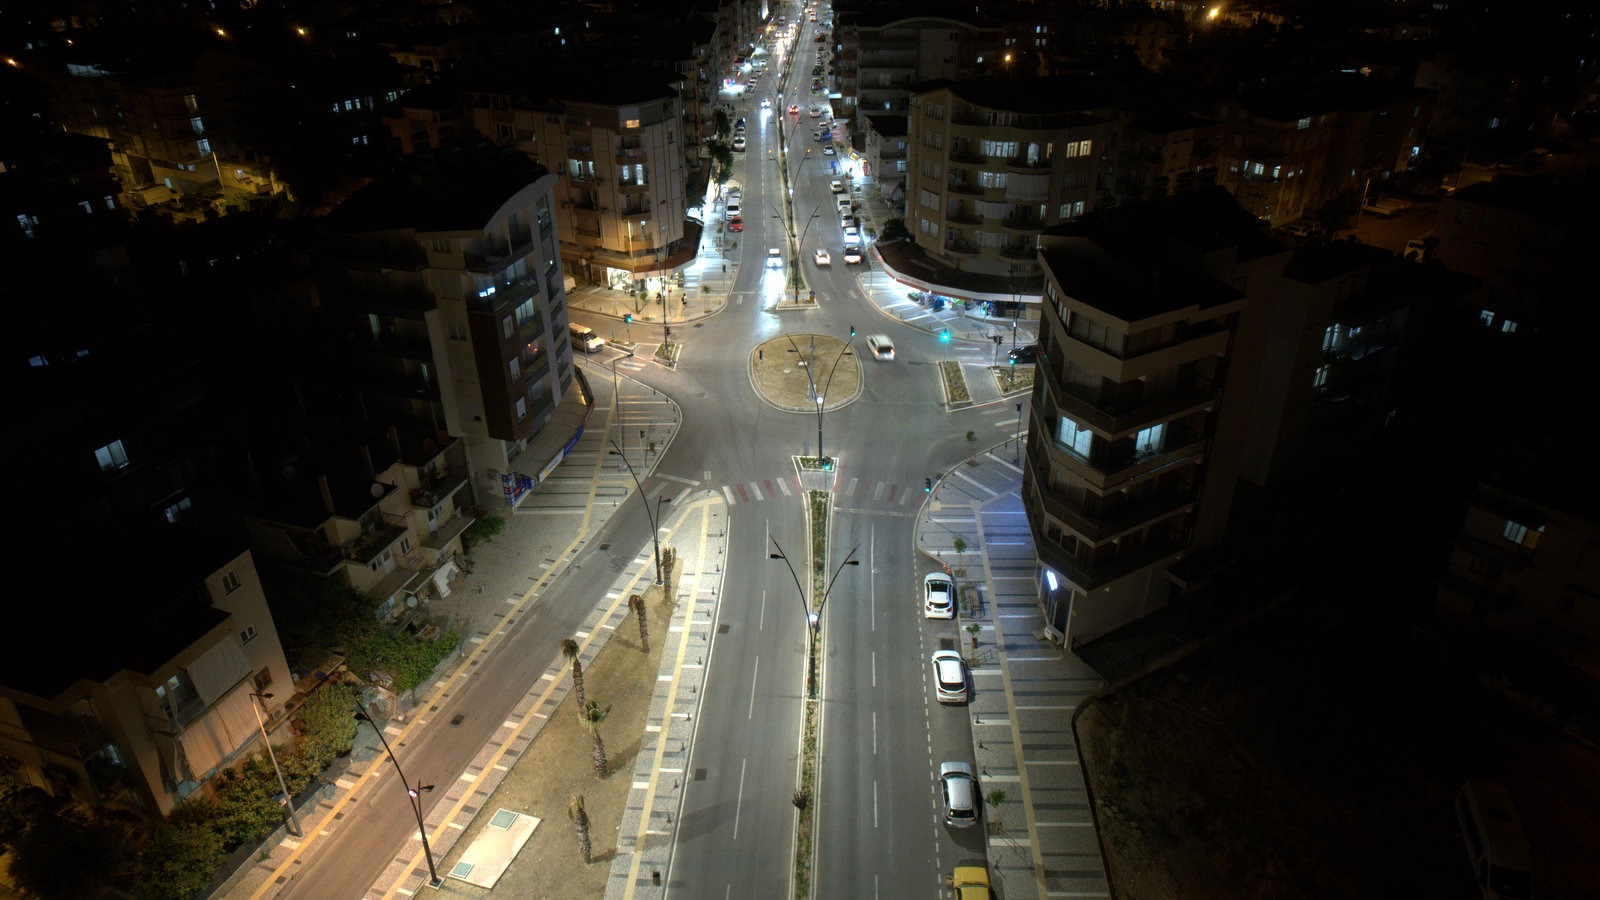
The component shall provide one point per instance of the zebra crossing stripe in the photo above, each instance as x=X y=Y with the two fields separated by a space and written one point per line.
x=729 y=494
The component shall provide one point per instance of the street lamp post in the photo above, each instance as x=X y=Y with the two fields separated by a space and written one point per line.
x=414 y=794
x=655 y=532
x=288 y=801
x=813 y=617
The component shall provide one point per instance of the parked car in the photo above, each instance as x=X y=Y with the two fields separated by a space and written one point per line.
x=836 y=186
x=882 y=348
x=827 y=150
x=822 y=257
x=949 y=677
x=735 y=223
x=739 y=123
x=815 y=111
x=852 y=256
x=938 y=596
x=1026 y=354
x=971 y=883
x=960 y=793
x=739 y=143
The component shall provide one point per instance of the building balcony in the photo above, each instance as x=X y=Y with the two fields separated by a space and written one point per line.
x=1094 y=528
x=635 y=215
x=488 y=259
x=963 y=187
x=1117 y=422
x=368 y=547
x=1028 y=222
x=1019 y=251
x=967 y=155
x=627 y=155
x=1122 y=464
x=1027 y=166
x=580 y=151
x=966 y=217
x=399 y=344
x=633 y=186
x=438 y=488
x=448 y=531
x=966 y=248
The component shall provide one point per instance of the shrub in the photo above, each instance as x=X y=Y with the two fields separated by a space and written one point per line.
x=327 y=726
x=407 y=660
x=178 y=861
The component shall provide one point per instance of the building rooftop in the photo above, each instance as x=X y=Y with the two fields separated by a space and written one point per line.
x=452 y=192
x=145 y=606
x=1064 y=94
x=889 y=124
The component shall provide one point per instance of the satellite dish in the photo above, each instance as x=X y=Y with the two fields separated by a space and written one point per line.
x=288 y=473
x=377 y=490
x=411 y=601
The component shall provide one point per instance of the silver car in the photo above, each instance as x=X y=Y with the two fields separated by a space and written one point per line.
x=960 y=793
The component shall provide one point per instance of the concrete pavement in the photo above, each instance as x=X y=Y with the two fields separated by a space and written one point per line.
x=1025 y=688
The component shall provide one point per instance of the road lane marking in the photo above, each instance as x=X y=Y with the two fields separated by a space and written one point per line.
x=738 y=803
x=754 y=674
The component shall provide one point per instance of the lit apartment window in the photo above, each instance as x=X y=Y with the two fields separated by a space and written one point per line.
x=174 y=513
x=1303 y=124
x=1508 y=326
x=1150 y=440
x=516 y=369
x=204 y=146
x=630 y=123
x=112 y=456
x=1320 y=379
x=522 y=409
x=230 y=582
x=1073 y=436
x=1517 y=533
x=507 y=328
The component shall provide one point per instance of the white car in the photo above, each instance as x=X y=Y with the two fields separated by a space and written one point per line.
x=852 y=236
x=766 y=102
x=823 y=258
x=852 y=256
x=738 y=143
x=959 y=790
x=938 y=596
x=827 y=150
x=949 y=677
x=774 y=258
x=816 y=111
x=836 y=187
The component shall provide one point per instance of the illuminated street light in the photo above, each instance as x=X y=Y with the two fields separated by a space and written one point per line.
x=413 y=794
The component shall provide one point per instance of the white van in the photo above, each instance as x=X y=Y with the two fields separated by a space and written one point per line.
x=584 y=338
x=1501 y=861
x=882 y=348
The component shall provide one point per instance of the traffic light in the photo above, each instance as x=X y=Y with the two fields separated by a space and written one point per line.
x=852 y=331
x=927 y=485
x=627 y=318
x=827 y=464
x=944 y=336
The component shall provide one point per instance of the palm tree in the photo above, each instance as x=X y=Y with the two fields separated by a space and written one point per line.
x=570 y=649
x=593 y=714
x=636 y=602
x=580 y=823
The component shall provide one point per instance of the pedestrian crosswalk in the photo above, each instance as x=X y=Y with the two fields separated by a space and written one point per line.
x=857 y=490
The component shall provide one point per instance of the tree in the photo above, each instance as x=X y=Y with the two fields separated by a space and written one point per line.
x=997 y=824
x=245 y=808
x=893 y=229
x=973 y=630
x=21 y=804
x=724 y=124
x=327 y=725
x=636 y=603
x=580 y=824
x=570 y=649
x=178 y=861
x=593 y=715
x=722 y=162
x=66 y=856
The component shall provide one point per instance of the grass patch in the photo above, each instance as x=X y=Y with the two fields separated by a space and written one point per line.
x=955 y=384
x=1014 y=378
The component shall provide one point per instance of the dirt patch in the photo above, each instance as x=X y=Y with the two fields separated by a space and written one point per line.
x=557 y=765
x=1296 y=759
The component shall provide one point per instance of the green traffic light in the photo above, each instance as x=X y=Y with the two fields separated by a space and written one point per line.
x=944 y=337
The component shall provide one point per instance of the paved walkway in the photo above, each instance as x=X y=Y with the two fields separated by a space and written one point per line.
x=1025 y=688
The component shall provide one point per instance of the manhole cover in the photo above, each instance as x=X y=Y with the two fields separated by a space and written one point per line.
x=722 y=629
x=456 y=719
x=699 y=774
x=605 y=546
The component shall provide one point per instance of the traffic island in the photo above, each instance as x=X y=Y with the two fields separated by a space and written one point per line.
x=789 y=372
x=667 y=352
x=954 y=384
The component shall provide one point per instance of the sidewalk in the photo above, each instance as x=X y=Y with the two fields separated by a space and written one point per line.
x=508 y=578
x=1026 y=689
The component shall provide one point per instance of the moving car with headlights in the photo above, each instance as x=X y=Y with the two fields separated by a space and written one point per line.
x=584 y=338
x=949 y=677
x=938 y=596
x=774 y=258
x=882 y=348
x=1026 y=354
x=823 y=258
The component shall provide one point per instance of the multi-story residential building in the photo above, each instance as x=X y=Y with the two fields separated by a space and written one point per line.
x=619 y=154
x=1153 y=39
x=1336 y=334
x=1527 y=562
x=148 y=691
x=884 y=49
x=1381 y=128
x=57 y=185
x=1273 y=152
x=989 y=165
x=426 y=118
x=885 y=155
x=1164 y=152
x=450 y=276
x=1154 y=325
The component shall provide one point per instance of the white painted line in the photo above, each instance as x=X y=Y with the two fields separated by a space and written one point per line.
x=729 y=494
x=1050 y=762
x=755 y=488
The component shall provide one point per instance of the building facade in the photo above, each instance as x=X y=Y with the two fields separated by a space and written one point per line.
x=1151 y=339
x=883 y=50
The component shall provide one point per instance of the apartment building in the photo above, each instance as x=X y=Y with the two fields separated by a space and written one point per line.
x=449 y=275
x=618 y=156
x=1154 y=325
x=884 y=49
x=992 y=163
x=1163 y=152
x=1521 y=234
x=885 y=155
x=1273 y=152
x=151 y=689
x=1527 y=563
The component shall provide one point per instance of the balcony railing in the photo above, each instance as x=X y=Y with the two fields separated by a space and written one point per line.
x=1123 y=464
x=963 y=187
x=964 y=216
x=966 y=154
x=965 y=247
x=633 y=186
x=630 y=154
x=1027 y=165
x=1027 y=222
x=1097 y=528
x=1019 y=251
x=438 y=489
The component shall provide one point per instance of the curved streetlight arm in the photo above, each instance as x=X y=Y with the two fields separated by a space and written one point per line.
x=414 y=795
x=849 y=560
x=655 y=533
